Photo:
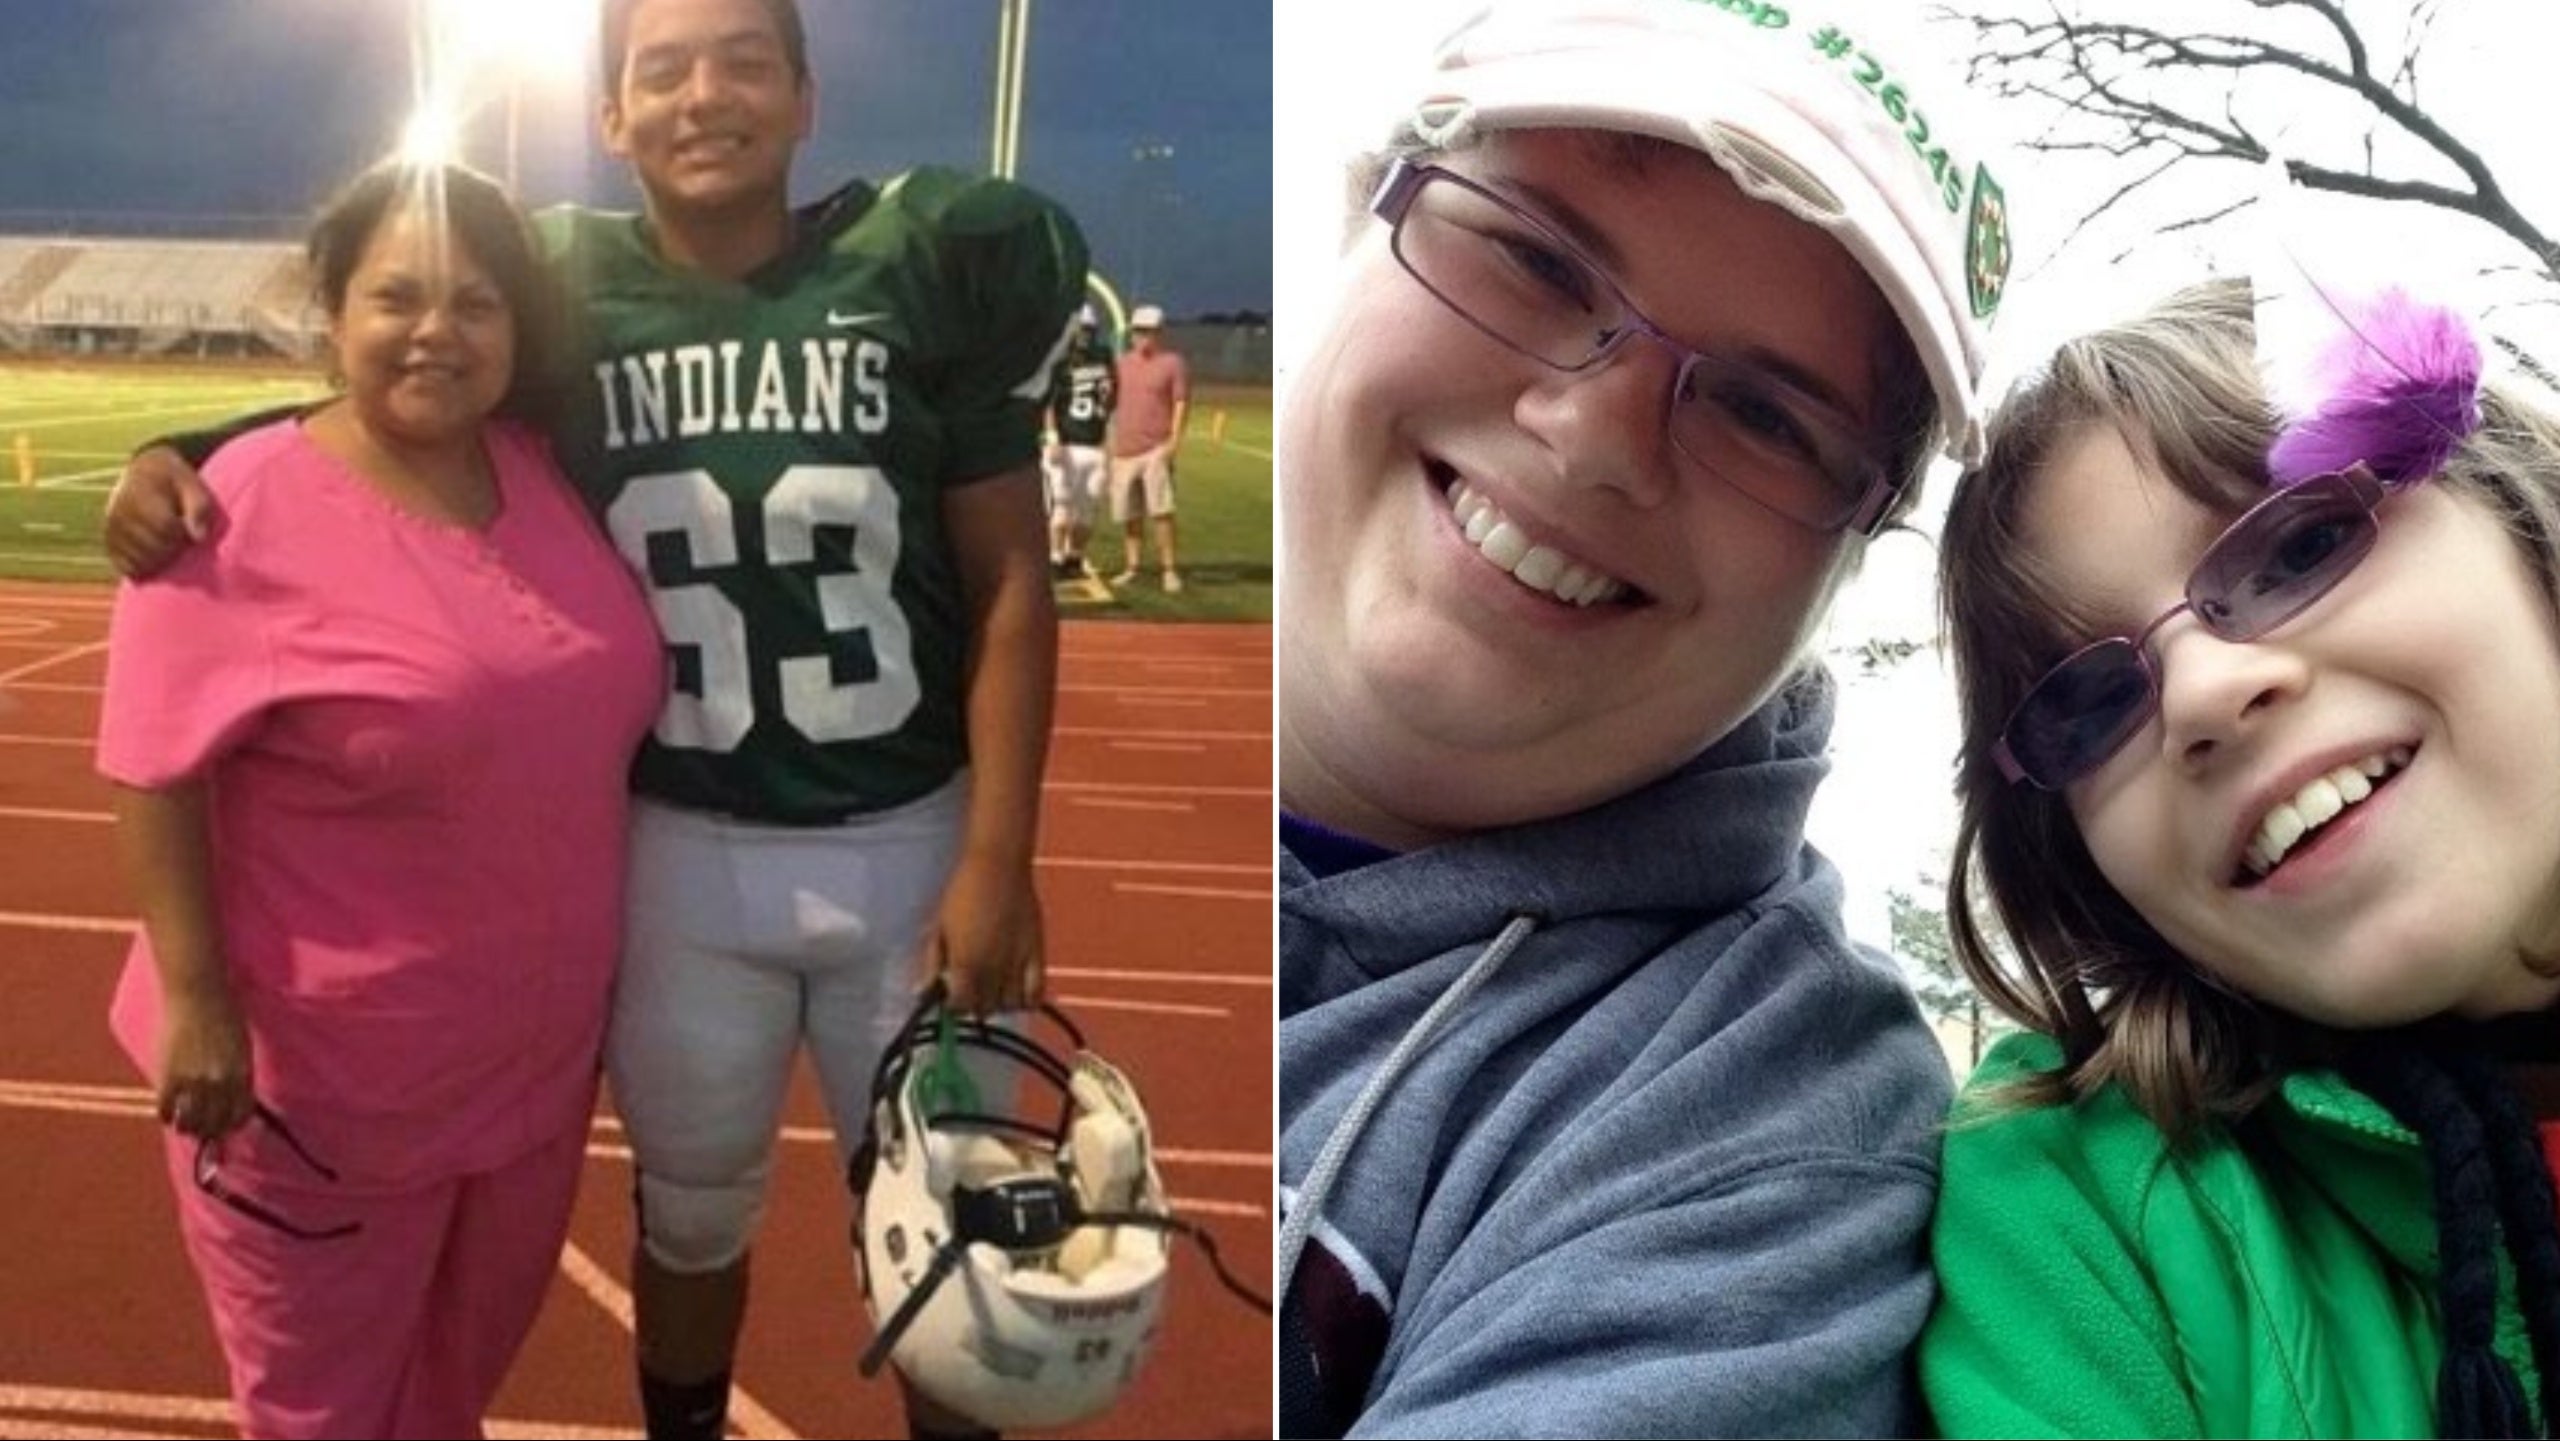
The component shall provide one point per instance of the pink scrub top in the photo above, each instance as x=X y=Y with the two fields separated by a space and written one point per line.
x=417 y=737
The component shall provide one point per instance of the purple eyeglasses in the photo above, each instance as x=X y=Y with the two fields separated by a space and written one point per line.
x=2288 y=551
x=1509 y=274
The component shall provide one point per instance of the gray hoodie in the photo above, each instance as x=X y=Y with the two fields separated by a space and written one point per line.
x=1666 y=1171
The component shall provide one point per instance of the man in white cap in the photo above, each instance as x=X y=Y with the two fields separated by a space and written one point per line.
x=1593 y=1120
x=1154 y=399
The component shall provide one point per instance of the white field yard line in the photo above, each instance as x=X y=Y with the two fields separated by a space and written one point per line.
x=204 y=407
x=82 y=480
x=91 y=567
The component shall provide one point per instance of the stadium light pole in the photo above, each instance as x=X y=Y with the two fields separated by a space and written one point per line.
x=1013 y=46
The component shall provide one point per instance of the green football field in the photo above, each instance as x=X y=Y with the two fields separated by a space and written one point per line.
x=65 y=430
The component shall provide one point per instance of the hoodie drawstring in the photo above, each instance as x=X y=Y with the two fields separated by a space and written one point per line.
x=1312 y=1192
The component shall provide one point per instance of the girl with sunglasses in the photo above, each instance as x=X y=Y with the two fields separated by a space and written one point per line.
x=2261 y=791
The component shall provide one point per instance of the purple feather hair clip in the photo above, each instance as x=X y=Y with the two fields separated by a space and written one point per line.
x=2395 y=383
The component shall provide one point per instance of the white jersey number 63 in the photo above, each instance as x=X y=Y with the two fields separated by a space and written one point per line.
x=853 y=603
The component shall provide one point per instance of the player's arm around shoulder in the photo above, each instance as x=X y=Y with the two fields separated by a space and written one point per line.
x=2043 y=1284
x=162 y=502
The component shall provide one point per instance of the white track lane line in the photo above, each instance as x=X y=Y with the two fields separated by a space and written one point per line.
x=1116 y=803
x=747 y=1415
x=1197 y=893
x=134 y=1103
x=31 y=667
x=116 y=1413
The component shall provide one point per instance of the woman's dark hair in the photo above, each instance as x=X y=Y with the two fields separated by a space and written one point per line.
x=2074 y=960
x=615 y=33
x=487 y=225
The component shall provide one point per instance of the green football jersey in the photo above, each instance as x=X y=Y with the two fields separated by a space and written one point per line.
x=1080 y=404
x=770 y=456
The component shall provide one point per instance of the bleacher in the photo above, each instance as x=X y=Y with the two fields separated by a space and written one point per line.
x=147 y=296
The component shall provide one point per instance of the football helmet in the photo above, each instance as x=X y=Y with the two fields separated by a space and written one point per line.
x=1014 y=1269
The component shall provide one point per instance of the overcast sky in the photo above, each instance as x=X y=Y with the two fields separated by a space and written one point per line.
x=182 y=109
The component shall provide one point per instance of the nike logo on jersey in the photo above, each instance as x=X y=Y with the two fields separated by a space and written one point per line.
x=865 y=318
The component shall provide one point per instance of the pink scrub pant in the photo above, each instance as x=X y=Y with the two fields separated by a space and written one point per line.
x=403 y=1329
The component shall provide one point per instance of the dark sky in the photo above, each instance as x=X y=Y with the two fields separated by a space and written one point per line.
x=182 y=115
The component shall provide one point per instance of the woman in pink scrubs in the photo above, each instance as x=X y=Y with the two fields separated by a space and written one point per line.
x=369 y=748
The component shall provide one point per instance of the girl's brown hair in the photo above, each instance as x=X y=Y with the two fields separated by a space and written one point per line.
x=2073 y=960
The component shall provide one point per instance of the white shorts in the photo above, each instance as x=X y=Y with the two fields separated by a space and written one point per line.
x=745 y=940
x=1153 y=468
x=1075 y=482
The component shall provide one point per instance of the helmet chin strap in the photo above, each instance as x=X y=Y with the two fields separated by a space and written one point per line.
x=1019 y=1214
x=946 y=1259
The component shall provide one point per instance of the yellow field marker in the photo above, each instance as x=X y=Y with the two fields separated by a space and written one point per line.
x=26 y=460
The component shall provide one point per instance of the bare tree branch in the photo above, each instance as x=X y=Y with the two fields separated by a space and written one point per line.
x=2127 y=89
x=2526 y=362
x=2197 y=222
x=2120 y=193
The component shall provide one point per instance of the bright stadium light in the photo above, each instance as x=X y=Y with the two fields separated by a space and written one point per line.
x=432 y=137
x=536 y=40
x=468 y=55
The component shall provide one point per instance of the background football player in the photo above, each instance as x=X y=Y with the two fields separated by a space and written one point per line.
x=1080 y=404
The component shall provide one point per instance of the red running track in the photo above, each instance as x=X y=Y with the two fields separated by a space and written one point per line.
x=1155 y=871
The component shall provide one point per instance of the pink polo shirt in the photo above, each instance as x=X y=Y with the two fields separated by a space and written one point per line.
x=418 y=737
x=1149 y=388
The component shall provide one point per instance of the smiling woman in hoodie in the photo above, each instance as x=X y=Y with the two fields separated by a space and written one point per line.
x=1593 y=1120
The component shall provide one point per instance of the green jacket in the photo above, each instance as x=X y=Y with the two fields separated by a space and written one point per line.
x=2277 y=1279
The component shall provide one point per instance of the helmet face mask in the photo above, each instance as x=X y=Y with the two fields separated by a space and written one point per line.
x=1014 y=1270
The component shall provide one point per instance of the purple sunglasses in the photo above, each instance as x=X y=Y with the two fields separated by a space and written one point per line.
x=2288 y=551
